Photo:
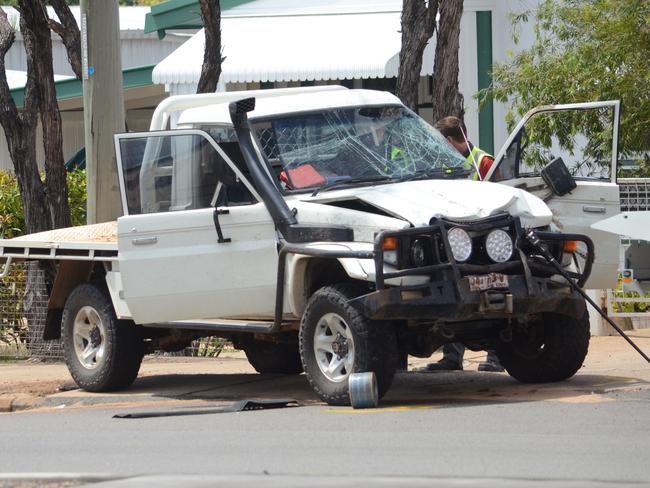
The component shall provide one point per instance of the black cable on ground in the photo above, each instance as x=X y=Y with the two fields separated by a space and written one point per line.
x=531 y=236
x=240 y=406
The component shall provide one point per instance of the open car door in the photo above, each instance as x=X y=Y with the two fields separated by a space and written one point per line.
x=585 y=136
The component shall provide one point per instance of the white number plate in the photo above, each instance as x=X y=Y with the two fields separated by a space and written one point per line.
x=492 y=281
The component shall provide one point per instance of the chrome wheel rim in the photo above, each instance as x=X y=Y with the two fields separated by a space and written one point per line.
x=89 y=337
x=334 y=347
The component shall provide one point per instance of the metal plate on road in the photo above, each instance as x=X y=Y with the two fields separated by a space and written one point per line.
x=491 y=281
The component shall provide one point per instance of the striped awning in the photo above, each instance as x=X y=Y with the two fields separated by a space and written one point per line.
x=297 y=48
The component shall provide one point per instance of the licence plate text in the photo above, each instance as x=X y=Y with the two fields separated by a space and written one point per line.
x=491 y=281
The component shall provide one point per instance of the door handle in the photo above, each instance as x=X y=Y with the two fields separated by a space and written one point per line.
x=144 y=241
x=594 y=209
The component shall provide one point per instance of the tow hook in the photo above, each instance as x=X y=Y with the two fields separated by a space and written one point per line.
x=496 y=302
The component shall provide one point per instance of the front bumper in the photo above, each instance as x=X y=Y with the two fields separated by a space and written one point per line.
x=453 y=301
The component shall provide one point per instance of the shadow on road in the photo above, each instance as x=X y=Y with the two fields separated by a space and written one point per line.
x=434 y=389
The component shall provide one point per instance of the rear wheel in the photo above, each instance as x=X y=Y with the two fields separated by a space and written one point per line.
x=550 y=348
x=274 y=357
x=101 y=352
x=336 y=340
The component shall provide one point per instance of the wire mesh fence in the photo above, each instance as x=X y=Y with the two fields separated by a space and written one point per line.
x=23 y=310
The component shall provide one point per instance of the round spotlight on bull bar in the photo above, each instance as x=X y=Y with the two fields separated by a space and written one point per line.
x=498 y=245
x=460 y=243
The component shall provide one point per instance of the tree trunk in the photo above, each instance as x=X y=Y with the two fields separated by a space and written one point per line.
x=68 y=30
x=418 y=25
x=447 y=100
x=211 y=68
x=20 y=131
x=38 y=46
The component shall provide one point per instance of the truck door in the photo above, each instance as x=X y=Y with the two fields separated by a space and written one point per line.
x=196 y=241
x=585 y=136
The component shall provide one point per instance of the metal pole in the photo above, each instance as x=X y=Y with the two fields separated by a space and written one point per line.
x=103 y=105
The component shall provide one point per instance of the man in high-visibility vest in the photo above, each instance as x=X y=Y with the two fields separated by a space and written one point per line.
x=389 y=152
x=453 y=129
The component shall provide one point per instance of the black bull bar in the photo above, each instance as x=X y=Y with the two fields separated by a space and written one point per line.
x=451 y=298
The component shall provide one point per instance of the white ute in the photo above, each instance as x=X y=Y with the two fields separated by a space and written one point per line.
x=331 y=231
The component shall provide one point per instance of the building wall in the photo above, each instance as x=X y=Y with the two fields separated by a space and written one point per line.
x=138 y=49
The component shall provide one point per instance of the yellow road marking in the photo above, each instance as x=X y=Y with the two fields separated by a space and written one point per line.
x=380 y=409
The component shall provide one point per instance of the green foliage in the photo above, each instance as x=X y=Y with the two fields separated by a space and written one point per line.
x=208 y=347
x=12 y=220
x=77 y=196
x=630 y=307
x=584 y=50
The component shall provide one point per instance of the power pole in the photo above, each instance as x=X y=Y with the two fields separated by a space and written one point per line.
x=103 y=105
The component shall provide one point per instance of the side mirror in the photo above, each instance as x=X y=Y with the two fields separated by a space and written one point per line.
x=558 y=178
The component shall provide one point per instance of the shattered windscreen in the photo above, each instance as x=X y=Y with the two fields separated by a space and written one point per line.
x=359 y=144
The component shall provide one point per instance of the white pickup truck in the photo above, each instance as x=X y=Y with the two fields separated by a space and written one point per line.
x=287 y=221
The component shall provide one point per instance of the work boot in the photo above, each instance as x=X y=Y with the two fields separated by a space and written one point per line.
x=491 y=363
x=445 y=364
x=491 y=366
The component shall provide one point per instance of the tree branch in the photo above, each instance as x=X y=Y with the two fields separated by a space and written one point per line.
x=418 y=25
x=68 y=30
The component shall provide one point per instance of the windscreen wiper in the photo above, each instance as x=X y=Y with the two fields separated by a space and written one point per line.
x=352 y=181
x=451 y=172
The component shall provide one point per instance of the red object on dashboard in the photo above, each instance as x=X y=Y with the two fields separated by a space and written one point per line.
x=304 y=176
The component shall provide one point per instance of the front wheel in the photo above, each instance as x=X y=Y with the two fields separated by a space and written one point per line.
x=336 y=340
x=102 y=353
x=549 y=348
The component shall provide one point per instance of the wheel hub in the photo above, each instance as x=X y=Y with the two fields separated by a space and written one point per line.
x=88 y=333
x=95 y=337
x=340 y=346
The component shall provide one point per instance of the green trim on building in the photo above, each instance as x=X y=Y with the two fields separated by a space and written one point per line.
x=180 y=14
x=72 y=88
x=484 y=64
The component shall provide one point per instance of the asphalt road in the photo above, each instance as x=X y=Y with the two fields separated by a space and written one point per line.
x=454 y=429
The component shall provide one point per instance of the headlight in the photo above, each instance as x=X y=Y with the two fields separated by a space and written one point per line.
x=499 y=246
x=419 y=252
x=461 y=244
x=390 y=257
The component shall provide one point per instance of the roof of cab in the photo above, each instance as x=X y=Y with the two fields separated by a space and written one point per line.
x=288 y=104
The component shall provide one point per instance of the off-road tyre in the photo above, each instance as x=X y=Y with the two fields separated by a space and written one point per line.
x=375 y=343
x=123 y=347
x=553 y=349
x=274 y=357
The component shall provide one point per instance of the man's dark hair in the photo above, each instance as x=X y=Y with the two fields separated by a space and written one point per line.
x=452 y=127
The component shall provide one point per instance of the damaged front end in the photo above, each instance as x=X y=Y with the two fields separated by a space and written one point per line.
x=472 y=286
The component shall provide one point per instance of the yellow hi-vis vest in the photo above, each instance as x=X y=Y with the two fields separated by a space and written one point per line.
x=477 y=155
x=398 y=154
